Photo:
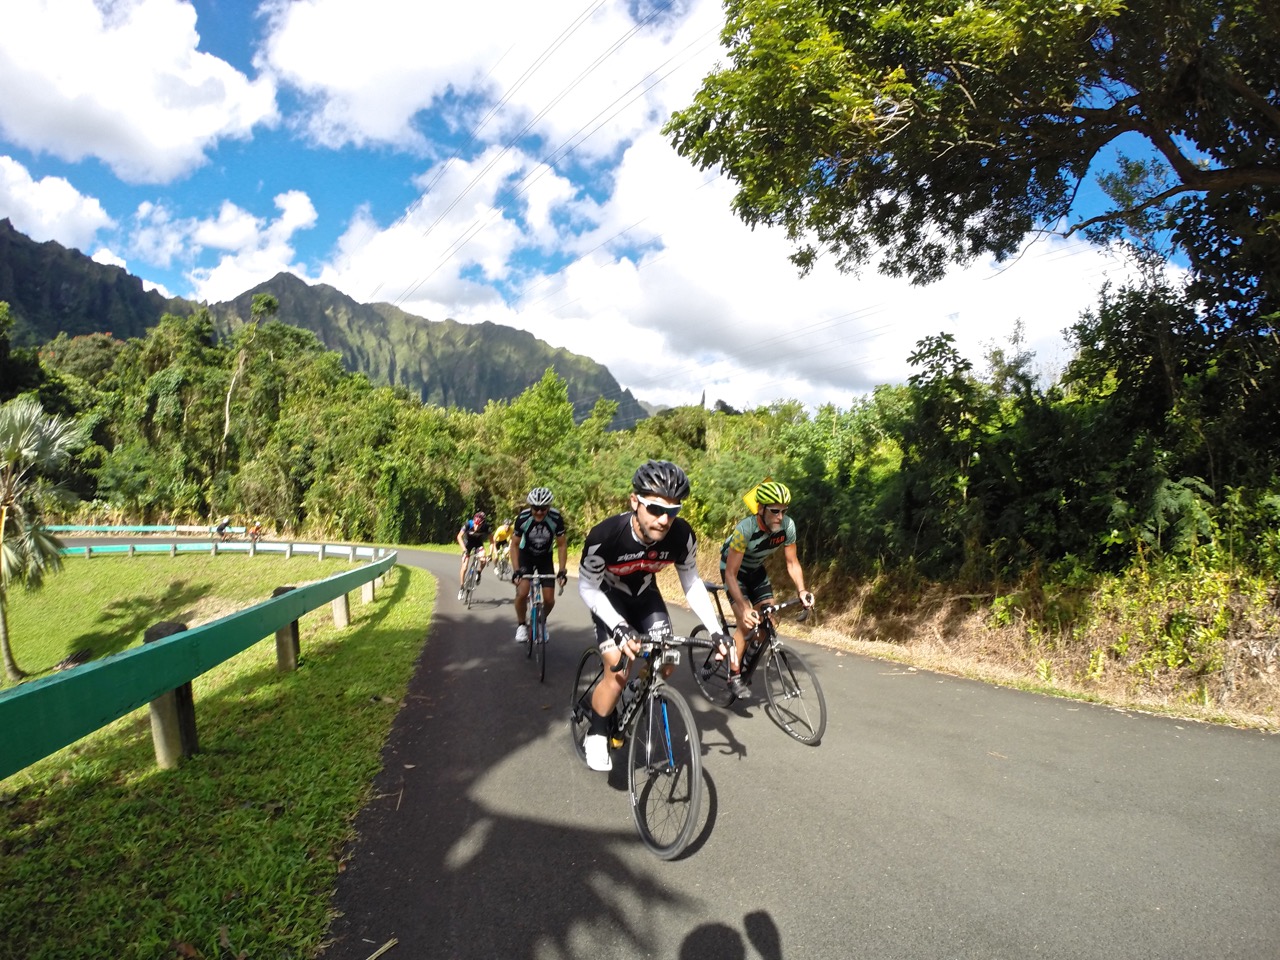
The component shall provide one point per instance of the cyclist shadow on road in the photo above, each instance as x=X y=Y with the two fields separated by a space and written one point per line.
x=719 y=941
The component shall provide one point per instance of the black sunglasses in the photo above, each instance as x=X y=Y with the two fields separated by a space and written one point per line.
x=777 y=511
x=659 y=509
x=539 y=509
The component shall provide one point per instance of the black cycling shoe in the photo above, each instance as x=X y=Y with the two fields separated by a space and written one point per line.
x=738 y=688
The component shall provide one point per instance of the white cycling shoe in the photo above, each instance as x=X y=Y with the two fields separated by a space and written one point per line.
x=522 y=634
x=596 y=746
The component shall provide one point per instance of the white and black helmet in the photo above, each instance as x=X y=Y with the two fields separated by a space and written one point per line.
x=539 y=497
x=661 y=478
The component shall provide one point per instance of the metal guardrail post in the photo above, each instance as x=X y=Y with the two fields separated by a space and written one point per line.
x=173 y=714
x=288 y=647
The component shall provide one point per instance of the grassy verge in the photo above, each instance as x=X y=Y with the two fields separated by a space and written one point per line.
x=236 y=852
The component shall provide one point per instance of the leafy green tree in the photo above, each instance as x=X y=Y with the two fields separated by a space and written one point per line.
x=19 y=369
x=32 y=444
x=935 y=131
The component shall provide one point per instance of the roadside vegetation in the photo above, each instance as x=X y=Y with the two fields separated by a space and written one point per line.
x=235 y=853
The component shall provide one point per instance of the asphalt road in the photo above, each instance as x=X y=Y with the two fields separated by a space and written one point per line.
x=939 y=818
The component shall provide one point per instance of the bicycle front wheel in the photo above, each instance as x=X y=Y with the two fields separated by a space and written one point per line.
x=589 y=673
x=664 y=773
x=540 y=649
x=796 y=703
x=709 y=673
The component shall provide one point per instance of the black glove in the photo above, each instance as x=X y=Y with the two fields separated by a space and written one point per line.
x=624 y=634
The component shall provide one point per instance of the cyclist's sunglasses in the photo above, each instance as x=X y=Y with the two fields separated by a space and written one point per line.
x=777 y=511
x=658 y=509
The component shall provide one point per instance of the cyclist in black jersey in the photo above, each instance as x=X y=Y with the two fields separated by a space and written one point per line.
x=742 y=559
x=538 y=528
x=616 y=580
x=475 y=534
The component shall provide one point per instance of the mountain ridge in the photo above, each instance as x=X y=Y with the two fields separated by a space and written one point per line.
x=53 y=289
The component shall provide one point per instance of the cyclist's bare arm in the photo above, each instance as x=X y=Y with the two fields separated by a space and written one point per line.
x=746 y=615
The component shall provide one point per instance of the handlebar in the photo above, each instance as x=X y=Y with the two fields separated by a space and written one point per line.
x=536 y=578
x=668 y=640
x=779 y=607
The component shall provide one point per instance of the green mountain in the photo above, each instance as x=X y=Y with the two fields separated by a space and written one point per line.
x=51 y=289
x=444 y=362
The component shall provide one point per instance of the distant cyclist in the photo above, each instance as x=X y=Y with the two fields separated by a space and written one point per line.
x=742 y=559
x=537 y=529
x=474 y=535
x=620 y=560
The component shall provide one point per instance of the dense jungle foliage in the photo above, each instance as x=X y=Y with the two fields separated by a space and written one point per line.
x=1155 y=451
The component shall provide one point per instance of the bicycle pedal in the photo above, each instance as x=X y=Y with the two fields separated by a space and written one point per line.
x=616 y=743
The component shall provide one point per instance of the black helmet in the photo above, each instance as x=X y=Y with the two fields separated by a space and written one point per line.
x=661 y=478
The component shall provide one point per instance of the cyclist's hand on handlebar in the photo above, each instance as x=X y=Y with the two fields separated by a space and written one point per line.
x=807 y=599
x=724 y=647
x=750 y=618
x=627 y=639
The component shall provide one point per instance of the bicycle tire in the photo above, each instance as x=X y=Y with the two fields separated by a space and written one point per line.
x=796 y=703
x=664 y=773
x=540 y=649
x=589 y=673
x=709 y=674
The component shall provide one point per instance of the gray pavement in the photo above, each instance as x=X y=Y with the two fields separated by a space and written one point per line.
x=939 y=818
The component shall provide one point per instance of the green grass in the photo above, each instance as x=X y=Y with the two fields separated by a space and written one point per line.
x=237 y=851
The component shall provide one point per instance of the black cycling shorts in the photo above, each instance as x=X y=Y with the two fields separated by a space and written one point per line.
x=643 y=614
x=537 y=564
x=754 y=584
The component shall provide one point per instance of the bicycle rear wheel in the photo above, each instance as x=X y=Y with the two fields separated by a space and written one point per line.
x=711 y=675
x=796 y=703
x=540 y=649
x=664 y=773
x=589 y=673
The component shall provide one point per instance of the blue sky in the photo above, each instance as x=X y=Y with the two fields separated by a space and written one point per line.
x=485 y=162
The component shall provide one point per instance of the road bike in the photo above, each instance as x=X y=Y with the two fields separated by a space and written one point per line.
x=503 y=561
x=471 y=580
x=794 y=696
x=664 y=753
x=537 y=639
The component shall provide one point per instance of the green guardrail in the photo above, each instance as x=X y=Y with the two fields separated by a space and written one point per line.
x=145 y=528
x=43 y=716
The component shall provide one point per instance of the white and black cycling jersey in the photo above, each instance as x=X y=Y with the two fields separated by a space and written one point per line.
x=618 y=570
x=534 y=537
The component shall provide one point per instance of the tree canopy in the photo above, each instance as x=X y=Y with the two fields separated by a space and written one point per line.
x=929 y=132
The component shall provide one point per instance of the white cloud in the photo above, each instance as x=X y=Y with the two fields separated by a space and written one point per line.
x=105 y=256
x=123 y=82
x=370 y=66
x=49 y=208
x=252 y=255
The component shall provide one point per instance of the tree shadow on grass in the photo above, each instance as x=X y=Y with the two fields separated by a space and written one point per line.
x=124 y=620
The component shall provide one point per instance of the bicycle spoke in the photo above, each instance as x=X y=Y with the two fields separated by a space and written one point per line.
x=796 y=703
x=665 y=773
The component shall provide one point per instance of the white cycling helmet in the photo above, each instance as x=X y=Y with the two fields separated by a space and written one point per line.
x=539 y=497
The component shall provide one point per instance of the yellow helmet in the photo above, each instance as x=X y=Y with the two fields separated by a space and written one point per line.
x=771 y=491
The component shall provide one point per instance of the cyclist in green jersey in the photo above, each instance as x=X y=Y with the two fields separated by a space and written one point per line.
x=742 y=558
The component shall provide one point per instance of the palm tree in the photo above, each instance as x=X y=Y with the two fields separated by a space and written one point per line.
x=31 y=443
